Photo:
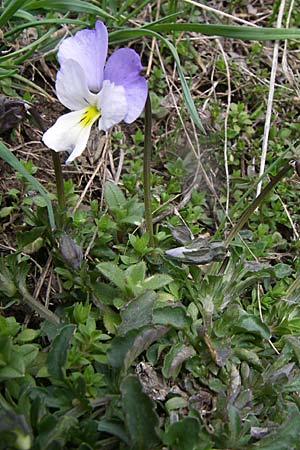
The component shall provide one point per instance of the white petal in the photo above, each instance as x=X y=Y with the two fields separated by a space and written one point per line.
x=71 y=86
x=70 y=133
x=112 y=103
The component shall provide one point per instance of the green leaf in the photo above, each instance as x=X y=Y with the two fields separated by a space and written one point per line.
x=183 y=435
x=4 y=212
x=172 y=315
x=111 y=320
x=138 y=313
x=287 y=437
x=174 y=359
x=157 y=281
x=28 y=335
x=249 y=356
x=176 y=403
x=27 y=237
x=234 y=425
x=282 y=270
x=115 y=428
x=113 y=195
x=141 y=419
x=251 y=323
x=230 y=31
x=113 y=273
x=68 y=6
x=10 y=10
x=58 y=354
x=136 y=272
x=28 y=353
x=124 y=349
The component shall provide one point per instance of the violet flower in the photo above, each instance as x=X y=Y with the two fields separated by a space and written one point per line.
x=93 y=90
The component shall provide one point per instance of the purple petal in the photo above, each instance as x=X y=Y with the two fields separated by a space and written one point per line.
x=123 y=68
x=89 y=49
x=136 y=95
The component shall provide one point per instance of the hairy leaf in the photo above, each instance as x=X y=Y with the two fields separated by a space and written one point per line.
x=141 y=418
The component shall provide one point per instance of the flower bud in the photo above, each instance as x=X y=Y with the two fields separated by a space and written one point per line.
x=71 y=252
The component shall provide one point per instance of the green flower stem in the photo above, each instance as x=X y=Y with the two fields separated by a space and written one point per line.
x=256 y=203
x=147 y=170
x=38 y=307
x=59 y=183
x=57 y=169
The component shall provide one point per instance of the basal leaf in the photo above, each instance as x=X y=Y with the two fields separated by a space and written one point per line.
x=174 y=359
x=113 y=273
x=58 y=354
x=138 y=313
x=183 y=435
x=141 y=418
x=114 y=427
x=286 y=437
x=114 y=196
x=251 y=323
x=172 y=315
x=124 y=349
x=157 y=281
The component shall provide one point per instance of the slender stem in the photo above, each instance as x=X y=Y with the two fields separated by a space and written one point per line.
x=59 y=181
x=147 y=170
x=38 y=307
x=252 y=207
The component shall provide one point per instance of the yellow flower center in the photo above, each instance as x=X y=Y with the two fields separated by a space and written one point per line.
x=89 y=115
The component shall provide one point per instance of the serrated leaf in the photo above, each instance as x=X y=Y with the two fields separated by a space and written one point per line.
x=172 y=315
x=141 y=418
x=174 y=359
x=183 y=435
x=114 y=197
x=138 y=313
x=113 y=273
x=58 y=354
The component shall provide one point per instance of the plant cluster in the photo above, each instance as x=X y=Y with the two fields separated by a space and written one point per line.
x=156 y=305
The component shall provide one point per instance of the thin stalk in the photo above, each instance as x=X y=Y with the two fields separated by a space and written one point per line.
x=147 y=170
x=59 y=180
x=252 y=207
x=38 y=307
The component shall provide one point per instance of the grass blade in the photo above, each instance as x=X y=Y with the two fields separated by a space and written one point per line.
x=69 y=6
x=229 y=31
x=10 y=10
x=11 y=159
x=128 y=34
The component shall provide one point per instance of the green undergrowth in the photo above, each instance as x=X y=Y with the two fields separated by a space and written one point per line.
x=108 y=342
